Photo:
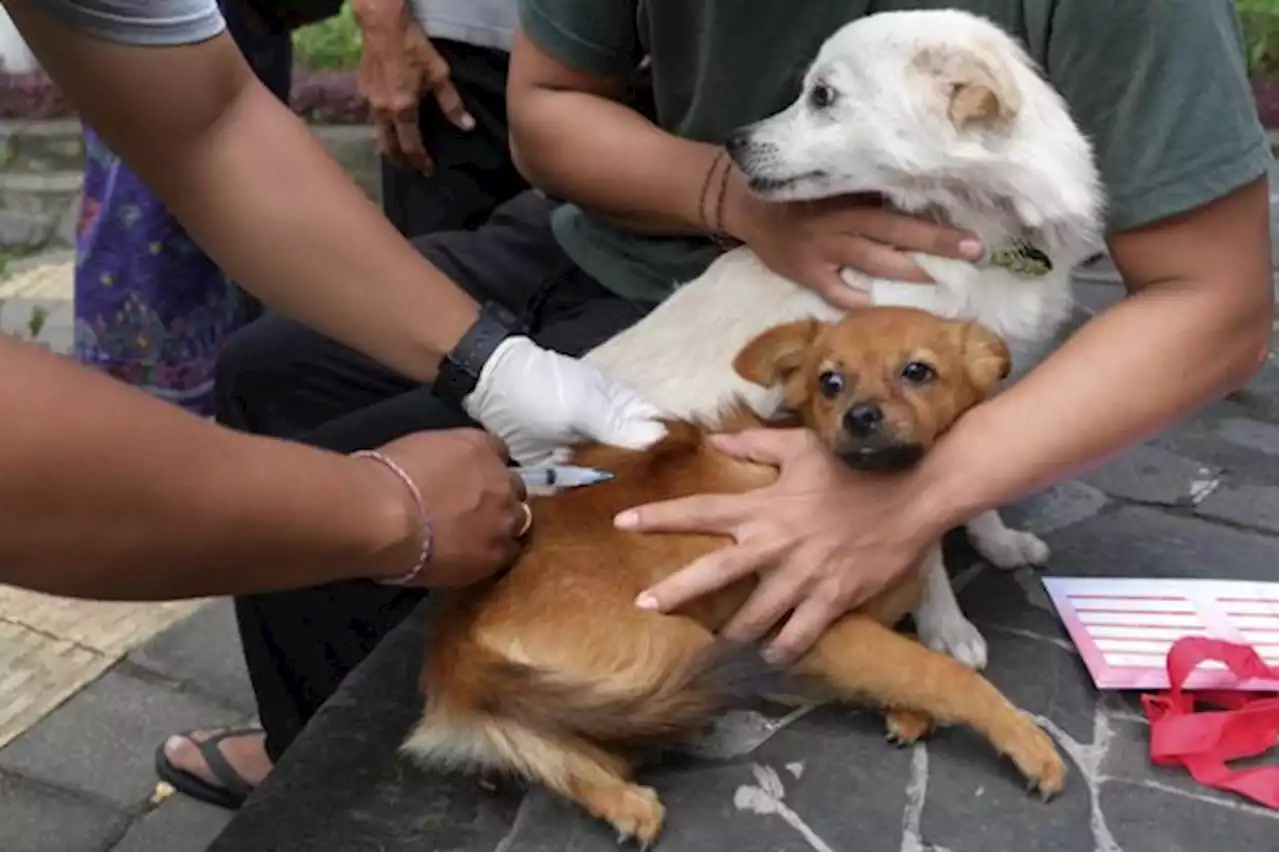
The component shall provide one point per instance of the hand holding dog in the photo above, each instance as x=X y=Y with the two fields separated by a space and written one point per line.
x=811 y=241
x=822 y=538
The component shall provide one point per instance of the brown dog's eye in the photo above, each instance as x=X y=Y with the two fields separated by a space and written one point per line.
x=830 y=384
x=918 y=372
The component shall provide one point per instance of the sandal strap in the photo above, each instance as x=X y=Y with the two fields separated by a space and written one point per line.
x=221 y=769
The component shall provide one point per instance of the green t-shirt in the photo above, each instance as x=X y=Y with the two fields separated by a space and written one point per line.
x=1159 y=87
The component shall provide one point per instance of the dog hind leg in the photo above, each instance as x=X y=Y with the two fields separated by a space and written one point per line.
x=862 y=660
x=597 y=779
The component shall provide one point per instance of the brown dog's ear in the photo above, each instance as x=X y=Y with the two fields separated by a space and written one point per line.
x=774 y=356
x=986 y=356
x=982 y=91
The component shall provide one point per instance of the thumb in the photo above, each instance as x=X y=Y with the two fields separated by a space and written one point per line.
x=766 y=446
x=839 y=293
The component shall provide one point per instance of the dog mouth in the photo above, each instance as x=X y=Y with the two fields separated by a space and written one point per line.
x=764 y=185
x=886 y=457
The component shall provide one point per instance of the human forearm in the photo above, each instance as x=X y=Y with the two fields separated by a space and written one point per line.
x=108 y=493
x=322 y=254
x=1131 y=372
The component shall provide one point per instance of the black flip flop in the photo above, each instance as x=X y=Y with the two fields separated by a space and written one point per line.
x=231 y=789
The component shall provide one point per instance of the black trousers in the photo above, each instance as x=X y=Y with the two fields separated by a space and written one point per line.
x=473 y=169
x=278 y=378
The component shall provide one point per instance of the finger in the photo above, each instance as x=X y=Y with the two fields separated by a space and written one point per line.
x=409 y=138
x=450 y=103
x=520 y=489
x=700 y=513
x=879 y=260
x=779 y=592
x=767 y=446
x=828 y=283
x=389 y=143
x=805 y=626
x=705 y=575
x=909 y=233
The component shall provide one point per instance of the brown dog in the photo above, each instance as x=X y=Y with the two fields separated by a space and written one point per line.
x=551 y=671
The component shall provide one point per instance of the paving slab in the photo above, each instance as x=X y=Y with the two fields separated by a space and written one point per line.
x=1248 y=505
x=108 y=627
x=178 y=824
x=37 y=673
x=38 y=818
x=203 y=653
x=103 y=740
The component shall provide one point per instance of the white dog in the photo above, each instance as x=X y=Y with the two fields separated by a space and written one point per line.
x=945 y=116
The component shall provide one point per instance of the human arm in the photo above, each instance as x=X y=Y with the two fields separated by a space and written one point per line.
x=572 y=136
x=1197 y=325
x=108 y=493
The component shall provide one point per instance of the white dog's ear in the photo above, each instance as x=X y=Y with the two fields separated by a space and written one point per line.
x=774 y=356
x=981 y=90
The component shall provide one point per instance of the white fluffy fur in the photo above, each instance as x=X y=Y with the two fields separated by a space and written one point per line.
x=1026 y=174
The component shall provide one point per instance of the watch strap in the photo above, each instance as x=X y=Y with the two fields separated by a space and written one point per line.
x=460 y=369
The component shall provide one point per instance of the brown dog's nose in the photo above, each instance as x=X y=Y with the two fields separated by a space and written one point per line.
x=863 y=420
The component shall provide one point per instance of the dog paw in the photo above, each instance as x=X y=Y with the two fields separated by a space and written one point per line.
x=1012 y=549
x=958 y=638
x=1035 y=755
x=636 y=815
x=904 y=727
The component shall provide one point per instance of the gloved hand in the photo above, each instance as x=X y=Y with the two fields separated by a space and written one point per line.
x=538 y=401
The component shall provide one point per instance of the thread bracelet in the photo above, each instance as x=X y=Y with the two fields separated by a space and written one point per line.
x=428 y=531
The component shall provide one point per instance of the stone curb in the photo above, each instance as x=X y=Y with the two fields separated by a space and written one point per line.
x=40 y=177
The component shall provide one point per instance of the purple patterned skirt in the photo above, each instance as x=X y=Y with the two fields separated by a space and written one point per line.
x=151 y=309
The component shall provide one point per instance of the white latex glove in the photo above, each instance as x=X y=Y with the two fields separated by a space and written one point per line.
x=538 y=401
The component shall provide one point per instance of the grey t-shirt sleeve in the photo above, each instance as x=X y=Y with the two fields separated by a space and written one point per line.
x=1161 y=89
x=142 y=22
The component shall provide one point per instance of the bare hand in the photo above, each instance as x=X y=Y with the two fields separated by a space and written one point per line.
x=472 y=499
x=822 y=539
x=398 y=66
x=811 y=241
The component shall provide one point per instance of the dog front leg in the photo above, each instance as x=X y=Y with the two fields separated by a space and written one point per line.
x=1004 y=547
x=939 y=621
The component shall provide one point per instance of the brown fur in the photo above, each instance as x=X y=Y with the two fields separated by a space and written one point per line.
x=552 y=672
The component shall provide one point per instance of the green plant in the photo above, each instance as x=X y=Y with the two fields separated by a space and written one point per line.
x=1261 y=22
x=35 y=322
x=329 y=45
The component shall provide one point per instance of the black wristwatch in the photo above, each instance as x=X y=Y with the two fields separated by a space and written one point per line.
x=460 y=369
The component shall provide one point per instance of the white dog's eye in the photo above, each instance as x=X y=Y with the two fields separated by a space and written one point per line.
x=821 y=96
x=830 y=383
x=918 y=372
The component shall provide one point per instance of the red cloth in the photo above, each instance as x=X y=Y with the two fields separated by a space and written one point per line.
x=1244 y=726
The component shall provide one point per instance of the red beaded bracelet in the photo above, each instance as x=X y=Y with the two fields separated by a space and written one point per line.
x=428 y=532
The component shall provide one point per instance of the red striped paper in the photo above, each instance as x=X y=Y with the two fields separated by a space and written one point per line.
x=1123 y=629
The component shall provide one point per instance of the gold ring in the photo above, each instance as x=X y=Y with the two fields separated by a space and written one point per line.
x=528 y=521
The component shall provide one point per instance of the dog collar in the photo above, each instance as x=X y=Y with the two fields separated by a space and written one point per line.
x=1021 y=258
